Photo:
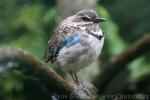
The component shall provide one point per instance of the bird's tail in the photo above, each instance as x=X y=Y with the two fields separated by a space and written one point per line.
x=62 y=73
x=57 y=69
x=46 y=60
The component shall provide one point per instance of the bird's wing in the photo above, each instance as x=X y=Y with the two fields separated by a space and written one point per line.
x=63 y=36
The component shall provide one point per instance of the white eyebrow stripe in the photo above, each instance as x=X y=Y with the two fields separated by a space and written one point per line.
x=86 y=16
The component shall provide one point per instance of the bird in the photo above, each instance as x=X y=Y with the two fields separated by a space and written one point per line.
x=76 y=43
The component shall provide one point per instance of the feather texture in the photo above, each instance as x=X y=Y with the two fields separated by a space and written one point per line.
x=63 y=36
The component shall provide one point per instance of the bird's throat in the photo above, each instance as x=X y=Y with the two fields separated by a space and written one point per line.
x=99 y=37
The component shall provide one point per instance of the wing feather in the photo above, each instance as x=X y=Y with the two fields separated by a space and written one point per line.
x=57 y=41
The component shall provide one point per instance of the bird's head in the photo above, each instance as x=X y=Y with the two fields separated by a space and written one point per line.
x=87 y=16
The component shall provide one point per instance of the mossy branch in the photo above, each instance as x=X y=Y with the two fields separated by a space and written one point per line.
x=11 y=58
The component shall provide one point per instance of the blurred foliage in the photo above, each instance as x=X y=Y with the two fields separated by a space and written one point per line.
x=117 y=40
x=132 y=17
x=25 y=24
x=131 y=20
x=12 y=85
x=28 y=24
x=15 y=86
x=113 y=41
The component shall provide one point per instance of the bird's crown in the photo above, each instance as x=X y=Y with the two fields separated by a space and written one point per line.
x=89 y=15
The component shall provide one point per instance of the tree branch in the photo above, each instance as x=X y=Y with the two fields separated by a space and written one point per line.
x=118 y=63
x=29 y=65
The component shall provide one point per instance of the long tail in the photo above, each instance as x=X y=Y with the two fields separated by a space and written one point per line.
x=46 y=60
x=60 y=72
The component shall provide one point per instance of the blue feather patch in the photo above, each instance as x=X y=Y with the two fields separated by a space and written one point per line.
x=73 y=40
x=70 y=41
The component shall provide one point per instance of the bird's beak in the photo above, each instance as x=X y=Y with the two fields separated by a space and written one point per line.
x=97 y=20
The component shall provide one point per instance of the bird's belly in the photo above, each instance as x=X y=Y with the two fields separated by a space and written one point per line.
x=79 y=56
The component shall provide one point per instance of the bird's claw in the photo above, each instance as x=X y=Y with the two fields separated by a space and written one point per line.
x=80 y=87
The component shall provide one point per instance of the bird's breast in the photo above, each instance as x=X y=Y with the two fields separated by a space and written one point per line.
x=93 y=45
x=81 y=54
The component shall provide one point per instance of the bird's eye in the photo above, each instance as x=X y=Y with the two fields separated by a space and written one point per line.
x=86 y=19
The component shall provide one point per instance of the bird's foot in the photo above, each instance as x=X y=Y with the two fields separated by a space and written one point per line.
x=80 y=87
